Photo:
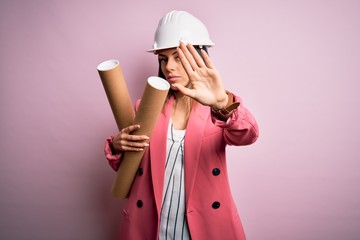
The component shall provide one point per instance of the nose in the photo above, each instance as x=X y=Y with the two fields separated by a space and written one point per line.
x=171 y=64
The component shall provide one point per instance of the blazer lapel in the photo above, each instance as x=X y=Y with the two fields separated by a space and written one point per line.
x=192 y=145
x=193 y=142
x=158 y=153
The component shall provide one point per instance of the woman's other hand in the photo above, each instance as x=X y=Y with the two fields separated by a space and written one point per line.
x=125 y=141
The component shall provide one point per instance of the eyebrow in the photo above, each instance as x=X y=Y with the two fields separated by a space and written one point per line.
x=163 y=55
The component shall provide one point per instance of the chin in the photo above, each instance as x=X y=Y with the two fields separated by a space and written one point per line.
x=173 y=88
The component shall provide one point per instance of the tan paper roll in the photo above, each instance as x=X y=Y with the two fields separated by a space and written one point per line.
x=150 y=107
x=117 y=92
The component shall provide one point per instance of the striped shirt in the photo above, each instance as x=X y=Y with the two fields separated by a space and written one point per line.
x=173 y=223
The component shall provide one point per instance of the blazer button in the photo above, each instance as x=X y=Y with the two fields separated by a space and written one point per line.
x=139 y=203
x=140 y=171
x=216 y=171
x=215 y=205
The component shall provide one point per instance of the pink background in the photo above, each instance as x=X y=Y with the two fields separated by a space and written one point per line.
x=294 y=63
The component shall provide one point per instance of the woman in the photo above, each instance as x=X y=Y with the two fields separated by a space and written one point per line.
x=181 y=190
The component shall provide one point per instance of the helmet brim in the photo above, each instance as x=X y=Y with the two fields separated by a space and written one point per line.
x=154 y=50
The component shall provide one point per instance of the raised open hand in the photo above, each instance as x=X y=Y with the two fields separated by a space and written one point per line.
x=207 y=87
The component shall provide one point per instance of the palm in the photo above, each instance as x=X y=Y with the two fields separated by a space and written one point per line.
x=206 y=83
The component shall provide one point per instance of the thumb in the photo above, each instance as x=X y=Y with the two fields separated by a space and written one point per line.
x=184 y=90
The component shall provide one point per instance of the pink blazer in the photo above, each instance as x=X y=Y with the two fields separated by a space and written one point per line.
x=210 y=210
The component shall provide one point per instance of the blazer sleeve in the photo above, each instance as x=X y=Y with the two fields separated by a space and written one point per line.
x=114 y=159
x=240 y=128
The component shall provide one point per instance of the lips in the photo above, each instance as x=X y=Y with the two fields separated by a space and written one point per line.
x=172 y=78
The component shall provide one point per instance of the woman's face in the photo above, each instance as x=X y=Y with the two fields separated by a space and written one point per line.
x=172 y=68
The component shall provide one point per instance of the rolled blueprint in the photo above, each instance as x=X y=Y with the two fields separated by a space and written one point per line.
x=117 y=93
x=152 y=101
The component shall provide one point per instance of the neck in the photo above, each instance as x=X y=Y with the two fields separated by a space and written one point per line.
x=181 y=110
x=179 y=96
x=182 y=101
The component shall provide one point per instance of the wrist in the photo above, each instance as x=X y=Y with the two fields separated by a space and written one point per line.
x=222 y=103
x=112 y=148
x=225 y=112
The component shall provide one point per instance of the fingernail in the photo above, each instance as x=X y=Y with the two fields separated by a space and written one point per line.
x=183 y=41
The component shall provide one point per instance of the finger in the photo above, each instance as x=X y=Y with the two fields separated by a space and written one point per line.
x=184 y=61
x=136 y=138
x=130 y=129
x=133 y=144
x=199 y=61
x=189 y=55
x=184 y=90
x=207 y=59
x=131 y=149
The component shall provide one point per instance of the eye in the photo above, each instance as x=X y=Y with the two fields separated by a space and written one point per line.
x=162 y=60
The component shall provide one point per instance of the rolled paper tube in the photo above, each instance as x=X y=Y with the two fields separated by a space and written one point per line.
x=117 y=92
x=152 y=102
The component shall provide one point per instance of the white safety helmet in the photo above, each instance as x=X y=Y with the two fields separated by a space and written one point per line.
x=178 y=26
